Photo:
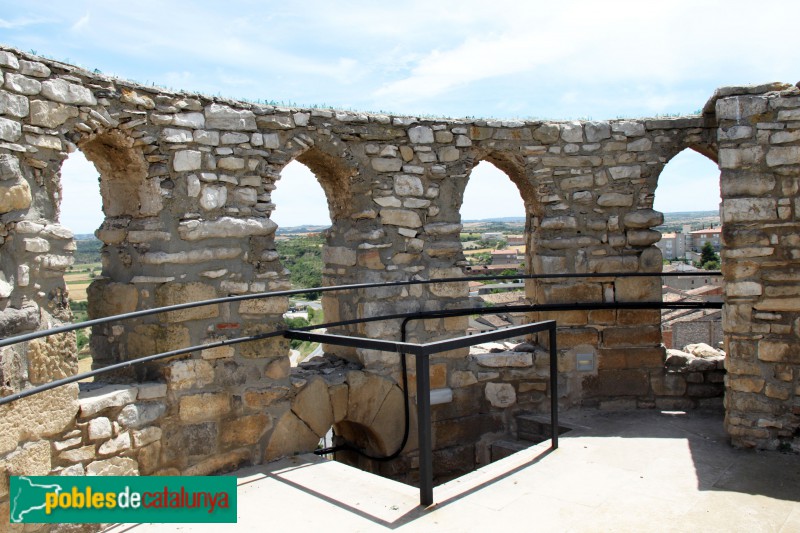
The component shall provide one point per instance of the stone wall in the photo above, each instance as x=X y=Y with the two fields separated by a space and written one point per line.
x=186 y=182
x=759 y=136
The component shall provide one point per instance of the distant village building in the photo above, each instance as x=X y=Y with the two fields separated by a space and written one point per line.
x=505 y=257
x=700 y=237
x=687 y=243
x=492 y=236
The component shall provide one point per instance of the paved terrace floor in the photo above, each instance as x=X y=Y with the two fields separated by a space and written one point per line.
x=632 y=471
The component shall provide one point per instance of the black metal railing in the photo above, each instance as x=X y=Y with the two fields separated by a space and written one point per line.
x=421 y=351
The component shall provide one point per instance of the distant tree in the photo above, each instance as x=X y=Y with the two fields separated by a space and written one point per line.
x=709 y=259
x=502 y=245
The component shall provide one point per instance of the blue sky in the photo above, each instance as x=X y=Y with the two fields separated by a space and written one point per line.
x=503 y=59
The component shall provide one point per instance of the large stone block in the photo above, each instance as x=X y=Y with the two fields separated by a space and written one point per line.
x=245 y=430
x=225 y=228
x=204 y=406
x=572 y=293
x=313 y=406
x=501 y=395
x=108 y=298
x=178 y=293
x=222 y=117
x=14 y=196
x=65 y=92
x=52 y=358
x=632 y=336
x=290 y=436
x=617 y=383
x=41 y=415
x=637 y=289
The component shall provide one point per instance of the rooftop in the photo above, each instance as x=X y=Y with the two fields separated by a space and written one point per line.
x=615 y=471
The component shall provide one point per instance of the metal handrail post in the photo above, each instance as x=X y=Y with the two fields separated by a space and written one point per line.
x=553 y=387
x=424 y=430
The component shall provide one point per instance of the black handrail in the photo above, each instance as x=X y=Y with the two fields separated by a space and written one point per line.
x=242 y=297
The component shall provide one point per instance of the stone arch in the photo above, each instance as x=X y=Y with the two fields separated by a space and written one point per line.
x=123 y=175
x=338 y=178
x=363 y=408
x=514 y=167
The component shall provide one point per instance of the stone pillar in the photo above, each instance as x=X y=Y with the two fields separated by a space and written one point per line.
x=760 y=162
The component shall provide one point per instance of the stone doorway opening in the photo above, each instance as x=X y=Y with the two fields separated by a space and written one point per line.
x=688 y=194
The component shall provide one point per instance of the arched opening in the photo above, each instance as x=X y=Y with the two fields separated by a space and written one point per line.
x=81 y=211
x=314 y=191
x=495 y=239
x=302 y=214
x=128 y=196
x=689 y=196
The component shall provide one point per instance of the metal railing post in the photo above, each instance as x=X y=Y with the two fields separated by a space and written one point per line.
x=424 y=430
x=553 y=387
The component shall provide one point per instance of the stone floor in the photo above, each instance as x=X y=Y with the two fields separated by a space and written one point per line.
x=627 y=471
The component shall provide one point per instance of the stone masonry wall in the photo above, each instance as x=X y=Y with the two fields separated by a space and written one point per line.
x=186 y=182
x=759 y=137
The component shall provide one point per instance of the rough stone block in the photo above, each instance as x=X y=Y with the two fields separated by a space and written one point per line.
x=501 y=395
x=312 y=405
x=631 y=336
x=114 y=466
x=245 y=430
x=290 y=436
x=94 y=401
x=178 y=293
x=617 y=383
x=205 y=406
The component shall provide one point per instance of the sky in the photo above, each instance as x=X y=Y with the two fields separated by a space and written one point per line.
x=580 y=59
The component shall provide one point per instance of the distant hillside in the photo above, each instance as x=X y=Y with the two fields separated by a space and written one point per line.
x=497 y=219
x=695 y=219
x=301 y=229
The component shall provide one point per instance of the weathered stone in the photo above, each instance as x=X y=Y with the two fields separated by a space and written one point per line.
x=107 y=298
x=312 y=405
x=614 y=199
x=100 y=428
x=178 y=293
x=290 y=436
x=22 y=84
x=245 y=430
x=643 y=218
x=32 y=459
x=405 y=185
x=65 y=92
x=13 y=105
x=94 y=401
x=668 y=384
x=204 y=406
x=146 y=436
x=339 y=255
x=783 y=155
x=51 y=358
x=116 y=446
x=399 y=217
x=190 y=373
x=10 y=130
x=420 y=135
x=113 y=466
x=225 y=227
x=185 y=160
x=501 y=395
x=222 y=117
x=504 y=359
x=264 y=306
x=141 y=414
